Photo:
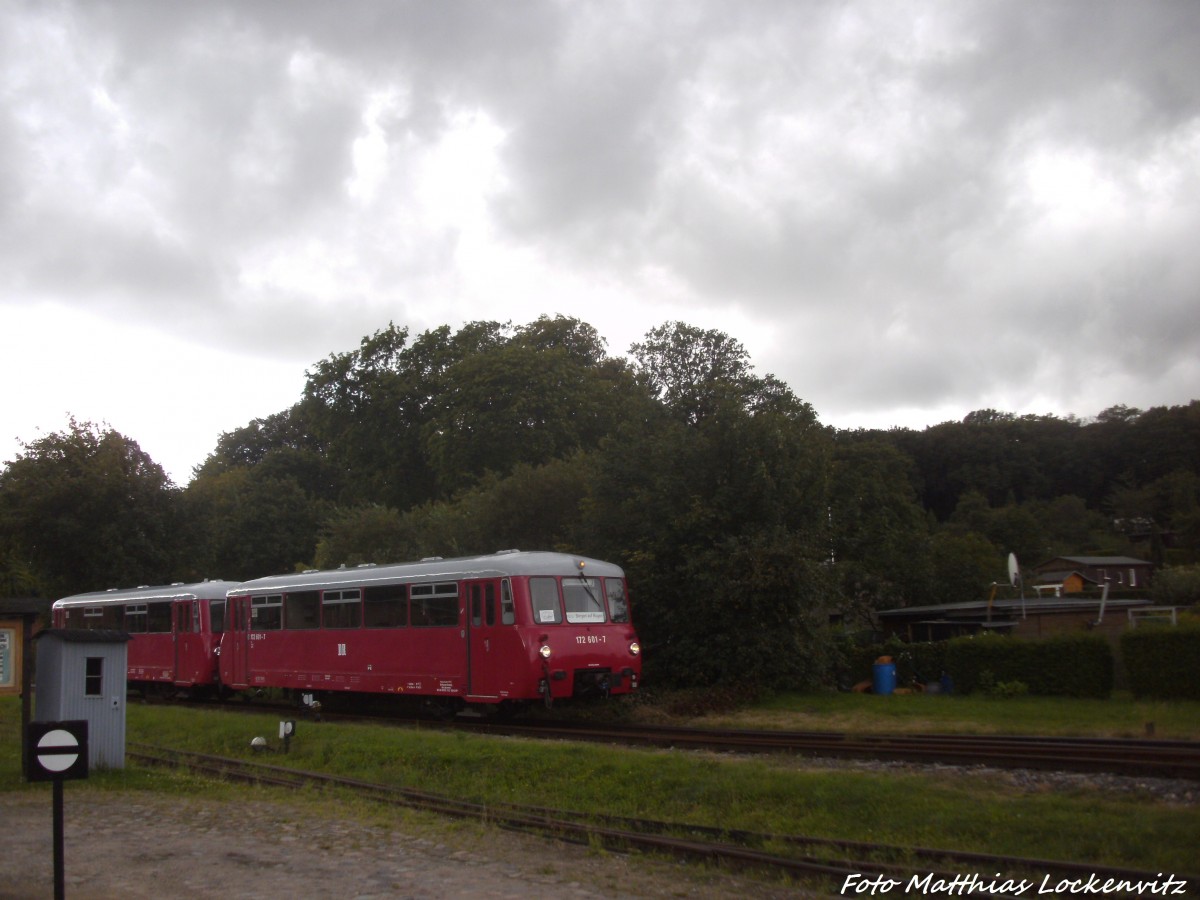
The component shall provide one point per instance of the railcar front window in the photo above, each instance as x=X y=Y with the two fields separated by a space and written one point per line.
x=618 y=603
x=543 y=596
x=583 y=600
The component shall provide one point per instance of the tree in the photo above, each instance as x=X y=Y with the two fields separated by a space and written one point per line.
x=247 y=523
x=879 y=536
x=86 y=509
x=965 y=564
x=577 y=339
x=528 y=402
x=534 y=508
x=694 y=372
x=361 y=534
x=721 y=527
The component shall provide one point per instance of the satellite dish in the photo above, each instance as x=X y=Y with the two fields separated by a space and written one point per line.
x=1014 y=571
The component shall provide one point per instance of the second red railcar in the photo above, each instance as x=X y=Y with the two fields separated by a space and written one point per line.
x=174 y=630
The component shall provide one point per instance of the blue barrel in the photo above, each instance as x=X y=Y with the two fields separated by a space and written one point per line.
x=885 y=678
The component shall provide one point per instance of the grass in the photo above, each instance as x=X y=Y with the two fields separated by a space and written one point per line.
x=970 y=812
x=1120 y=716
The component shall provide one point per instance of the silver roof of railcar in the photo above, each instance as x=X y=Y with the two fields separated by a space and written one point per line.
x=202 y=590
x=504 y=564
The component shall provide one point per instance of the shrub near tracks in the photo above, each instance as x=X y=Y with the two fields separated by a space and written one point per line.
x=1161 y=661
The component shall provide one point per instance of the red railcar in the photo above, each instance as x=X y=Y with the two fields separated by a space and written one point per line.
x=175 y=630
x=503 y=629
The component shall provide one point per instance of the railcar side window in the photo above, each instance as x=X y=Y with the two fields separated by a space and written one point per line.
x=386 y=606
x=135 y=617
x=302 y=610
x=434 y=605
x=341 y=609
x=94 y=617
x=543 y=596
x=158 y=618
x=266 y=613
x=618 y=603
x=581 y=596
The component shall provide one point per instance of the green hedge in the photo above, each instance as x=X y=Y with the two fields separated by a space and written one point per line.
x=1162 y=661
x=1077 y=665
x=1068 y=665
x=918 y=662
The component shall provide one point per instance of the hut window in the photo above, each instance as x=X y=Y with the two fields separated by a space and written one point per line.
x=93 y=676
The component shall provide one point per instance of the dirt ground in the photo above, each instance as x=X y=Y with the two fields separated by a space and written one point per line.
x=135 y=845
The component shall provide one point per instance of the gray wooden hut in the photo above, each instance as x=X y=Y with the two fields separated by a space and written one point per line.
x=81 y=675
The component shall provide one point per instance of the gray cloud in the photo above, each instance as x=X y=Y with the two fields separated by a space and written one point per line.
x=906 y=205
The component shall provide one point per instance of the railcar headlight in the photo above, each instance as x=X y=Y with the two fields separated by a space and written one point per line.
x=635 y=648
x=545 y=651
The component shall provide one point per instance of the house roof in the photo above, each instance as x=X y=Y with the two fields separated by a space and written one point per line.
x=1098 y=561
x=85 y=635
x=1036 y=605
x=23 y=606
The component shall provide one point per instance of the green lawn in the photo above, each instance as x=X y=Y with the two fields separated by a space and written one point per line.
x=960 y=811
x=1120 y=716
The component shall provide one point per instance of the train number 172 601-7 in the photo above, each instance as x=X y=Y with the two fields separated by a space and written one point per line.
x=591 y=638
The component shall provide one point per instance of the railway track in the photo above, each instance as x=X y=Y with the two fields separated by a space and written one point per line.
x=1142 y=758
x=841 y=863
x=1136 y=757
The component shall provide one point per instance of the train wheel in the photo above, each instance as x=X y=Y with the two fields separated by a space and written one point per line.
x=507 y=709
x=442 y=708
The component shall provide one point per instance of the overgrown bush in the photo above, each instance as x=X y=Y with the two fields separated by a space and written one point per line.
x=1068 y=665
x=1006 y=689
x=1176 y=586
x=1161 y=660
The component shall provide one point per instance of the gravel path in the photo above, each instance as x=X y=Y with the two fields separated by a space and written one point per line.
x=137 y=846
x=130 y=846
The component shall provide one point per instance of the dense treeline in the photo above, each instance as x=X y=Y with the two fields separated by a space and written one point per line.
x=742 y=522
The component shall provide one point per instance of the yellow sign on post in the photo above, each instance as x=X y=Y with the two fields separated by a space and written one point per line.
x=12 y=642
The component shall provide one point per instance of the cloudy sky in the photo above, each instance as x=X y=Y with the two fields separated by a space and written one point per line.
x=904 y=210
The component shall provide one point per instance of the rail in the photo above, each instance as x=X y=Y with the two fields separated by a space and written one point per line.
x=1142 y=758
x=798 y=857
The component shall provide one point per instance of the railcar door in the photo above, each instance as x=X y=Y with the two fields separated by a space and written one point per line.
x=189 y=643
x=493 y=647
x=235 y=643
